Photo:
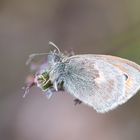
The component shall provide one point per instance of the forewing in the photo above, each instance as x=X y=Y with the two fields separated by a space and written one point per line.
x=130 y=69
x=94 y=81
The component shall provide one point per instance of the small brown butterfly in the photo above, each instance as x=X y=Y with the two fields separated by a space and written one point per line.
x=100 y=81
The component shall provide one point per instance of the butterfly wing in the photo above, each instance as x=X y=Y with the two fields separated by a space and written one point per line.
x=130 y=69
x=94 y=81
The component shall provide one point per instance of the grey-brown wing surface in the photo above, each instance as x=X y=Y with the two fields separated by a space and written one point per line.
x=130 y=69
x=94 y=81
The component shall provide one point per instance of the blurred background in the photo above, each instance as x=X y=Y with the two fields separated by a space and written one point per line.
x=86 y=26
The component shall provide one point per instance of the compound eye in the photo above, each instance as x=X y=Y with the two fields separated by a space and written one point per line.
x=126 y=76
x=53 y=58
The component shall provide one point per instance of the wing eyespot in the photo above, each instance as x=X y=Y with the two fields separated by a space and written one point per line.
x=126 y=76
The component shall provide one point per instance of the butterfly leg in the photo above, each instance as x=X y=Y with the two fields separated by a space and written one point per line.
x=55 y=86
x=77 y=101
x=49 y=93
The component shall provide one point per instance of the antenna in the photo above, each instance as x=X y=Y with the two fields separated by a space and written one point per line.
x=32 y=56
x=51 y=43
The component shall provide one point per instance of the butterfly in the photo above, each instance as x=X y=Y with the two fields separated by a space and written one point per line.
x=101 y=81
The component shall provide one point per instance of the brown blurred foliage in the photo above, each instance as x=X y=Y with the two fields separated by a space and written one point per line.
x=99 y=26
